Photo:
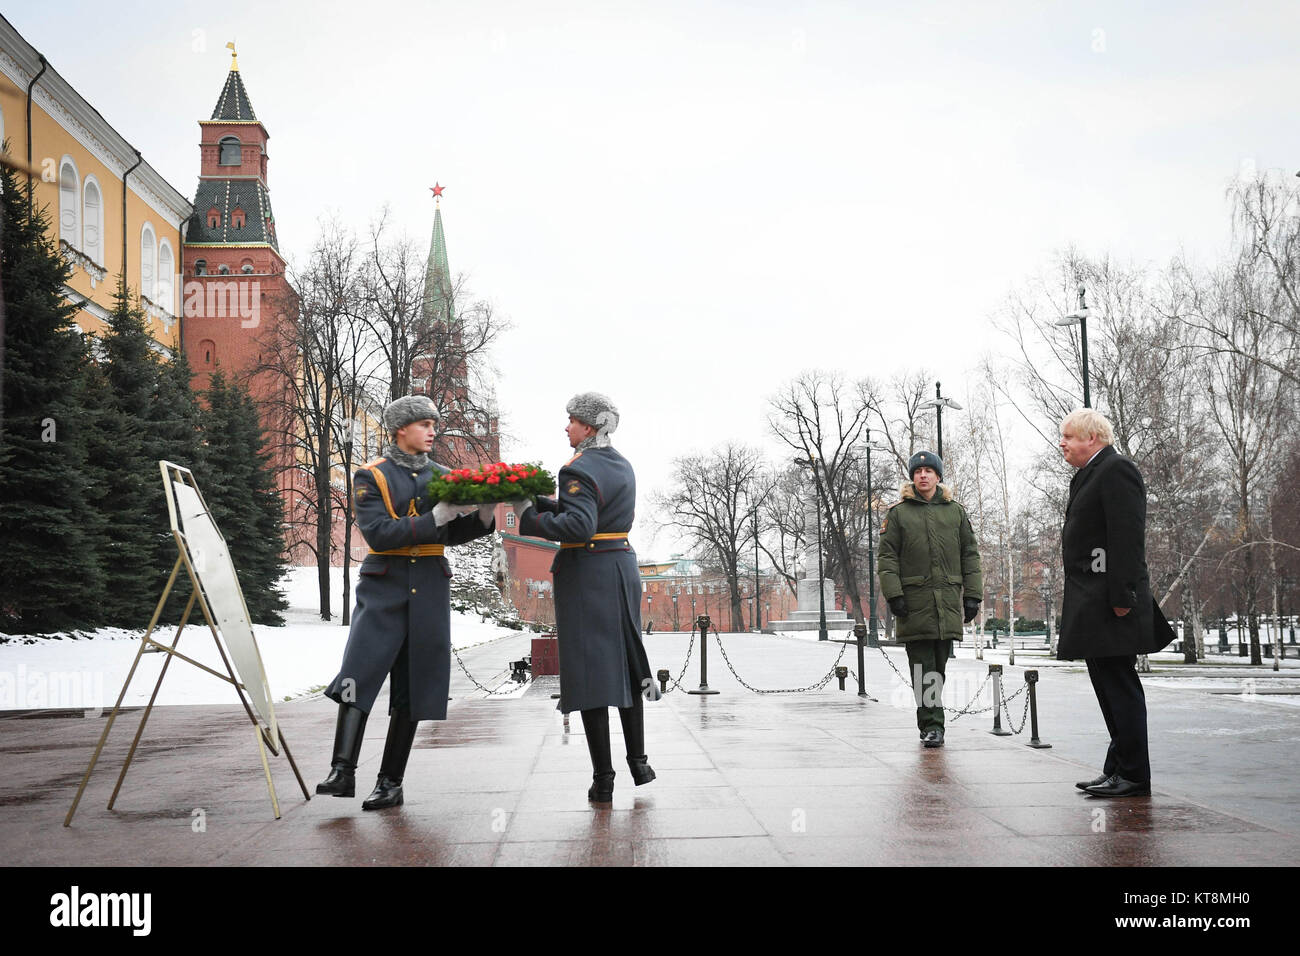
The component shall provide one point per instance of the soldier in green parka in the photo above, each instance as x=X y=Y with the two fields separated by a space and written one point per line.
x=930 y=576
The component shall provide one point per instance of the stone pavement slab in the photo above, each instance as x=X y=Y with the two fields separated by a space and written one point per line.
x=819 y=778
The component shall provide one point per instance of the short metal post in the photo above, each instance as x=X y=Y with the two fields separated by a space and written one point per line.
x=703 y=624
x=860 y=632
x=1031 y=678
x=841 y=673
x=663 y=676
x=996 y=671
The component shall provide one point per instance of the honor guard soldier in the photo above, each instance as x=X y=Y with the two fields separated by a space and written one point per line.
x=603 y=663
x=401 y=628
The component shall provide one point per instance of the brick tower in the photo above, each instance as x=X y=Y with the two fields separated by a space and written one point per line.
x=468 y=432
x=233 y=276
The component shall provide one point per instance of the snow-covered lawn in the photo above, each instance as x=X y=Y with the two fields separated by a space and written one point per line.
x=87 y=673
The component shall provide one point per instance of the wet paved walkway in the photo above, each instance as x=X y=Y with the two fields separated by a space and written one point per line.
x=817 y=778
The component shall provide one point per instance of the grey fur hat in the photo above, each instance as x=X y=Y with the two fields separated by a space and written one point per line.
x=596 y=410
x=925 y=459
x=409 y=408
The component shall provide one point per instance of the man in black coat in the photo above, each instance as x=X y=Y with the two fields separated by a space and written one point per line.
x=1109 y=615
x=401 y=628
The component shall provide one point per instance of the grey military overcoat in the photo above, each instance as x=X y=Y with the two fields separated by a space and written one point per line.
x=401 y=596
x=598 y=585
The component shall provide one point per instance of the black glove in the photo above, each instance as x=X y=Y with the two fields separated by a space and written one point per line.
x=972 y=607
x=899 y=606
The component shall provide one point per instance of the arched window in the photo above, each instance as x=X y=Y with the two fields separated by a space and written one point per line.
x=231 y=155
x=214 y=218
x=148 y=261
x=223 y=270
x=166 y=266
x=246 y=266
x=93 y=230
x=200 y=267
x=69 y=203
x=208 y=349
x=237 y=218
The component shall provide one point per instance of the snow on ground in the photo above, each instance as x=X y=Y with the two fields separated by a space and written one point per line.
x=87 y=673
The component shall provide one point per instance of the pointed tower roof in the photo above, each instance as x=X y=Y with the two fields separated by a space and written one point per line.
x=233 y=103
x=437 y=274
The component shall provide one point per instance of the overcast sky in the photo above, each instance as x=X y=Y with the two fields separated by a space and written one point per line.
x=685 y=204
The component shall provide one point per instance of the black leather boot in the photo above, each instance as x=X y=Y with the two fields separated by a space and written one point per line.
x=595 y=723
x=348 y=731
x=602 y=787
x=633 y=719
x=397 y=748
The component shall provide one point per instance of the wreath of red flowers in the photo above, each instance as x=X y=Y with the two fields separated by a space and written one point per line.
x=488 y=484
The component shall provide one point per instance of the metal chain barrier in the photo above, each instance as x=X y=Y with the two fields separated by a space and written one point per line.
x=677 y=684
x=788 y=690
x=514 y=685
x=960 y=712
x=1024 y=715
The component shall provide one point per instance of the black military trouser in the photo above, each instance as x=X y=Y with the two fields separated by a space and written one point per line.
x=1124 y=708
x=928 y=661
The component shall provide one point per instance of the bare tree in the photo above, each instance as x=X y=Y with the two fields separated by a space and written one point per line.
x=309 y=350
x=824 y=419
x=709 y=502
x=434 y=339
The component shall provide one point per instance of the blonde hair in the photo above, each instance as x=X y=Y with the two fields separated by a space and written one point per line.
x=1091 y=423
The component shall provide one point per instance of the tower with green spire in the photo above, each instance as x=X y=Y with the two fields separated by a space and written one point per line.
x=468 y=427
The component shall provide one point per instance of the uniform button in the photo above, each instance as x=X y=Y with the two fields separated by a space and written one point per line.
x=413 y=560
x=412 y=590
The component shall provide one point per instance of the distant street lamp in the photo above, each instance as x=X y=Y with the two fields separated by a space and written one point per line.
x=757 y=617
x=939 y=403
x=1079 y=317
x=811 y=462
x=675 y=627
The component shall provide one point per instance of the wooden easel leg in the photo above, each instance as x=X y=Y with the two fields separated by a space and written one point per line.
x=67 y=821
x=139 y=731
x=266 y=768
x=294 y=765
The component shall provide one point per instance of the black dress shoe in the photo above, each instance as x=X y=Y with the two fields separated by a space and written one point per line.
x=1085 y=784
x=387 y=793
x=641 y=771
x=933 y=738
x=602 y=787
x=1117 y=786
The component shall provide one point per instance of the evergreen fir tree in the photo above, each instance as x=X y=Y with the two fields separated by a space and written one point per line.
x=239 y=487
x=133 y=503
x=50 y=575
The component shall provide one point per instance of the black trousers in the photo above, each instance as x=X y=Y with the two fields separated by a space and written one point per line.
x=1124 y=708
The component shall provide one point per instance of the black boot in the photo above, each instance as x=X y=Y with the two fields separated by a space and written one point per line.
x=397 y=748
x=595 y=723
x=633 y=719
x=348 y=731
x=602 y=787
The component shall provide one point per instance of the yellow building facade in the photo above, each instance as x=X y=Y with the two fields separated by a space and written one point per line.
x=107 y=207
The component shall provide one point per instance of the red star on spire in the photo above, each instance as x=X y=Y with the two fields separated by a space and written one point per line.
x=437 y=190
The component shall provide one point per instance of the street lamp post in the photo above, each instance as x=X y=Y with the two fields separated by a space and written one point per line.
x=757 y=617
x=939 y=403
x=675 y=627
x=1080 y=317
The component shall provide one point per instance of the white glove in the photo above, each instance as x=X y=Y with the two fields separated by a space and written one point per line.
x=445 y=511
x=520 y=506
x=487 y=514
